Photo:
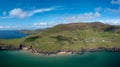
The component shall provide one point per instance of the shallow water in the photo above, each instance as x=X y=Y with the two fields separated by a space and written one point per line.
x=23 y=59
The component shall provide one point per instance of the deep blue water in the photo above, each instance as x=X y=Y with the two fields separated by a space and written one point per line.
x=8 y=34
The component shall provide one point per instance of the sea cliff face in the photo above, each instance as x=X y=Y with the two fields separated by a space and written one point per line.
x=59 y=52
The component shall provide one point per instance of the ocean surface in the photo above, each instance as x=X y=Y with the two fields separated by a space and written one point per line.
x=9 y=34
x=24 y=59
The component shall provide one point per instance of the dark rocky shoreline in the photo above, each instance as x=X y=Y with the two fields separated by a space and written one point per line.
x=9 y=48
x=59 y=52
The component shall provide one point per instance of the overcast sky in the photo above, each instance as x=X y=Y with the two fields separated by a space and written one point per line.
x=35 y=14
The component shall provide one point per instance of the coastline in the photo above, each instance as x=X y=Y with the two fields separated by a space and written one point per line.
x=59 y=52
x=63 y=35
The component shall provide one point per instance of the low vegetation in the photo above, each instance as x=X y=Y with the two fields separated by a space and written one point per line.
x=73 y=36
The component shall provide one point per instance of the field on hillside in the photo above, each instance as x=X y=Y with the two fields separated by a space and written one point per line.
x=71 y=37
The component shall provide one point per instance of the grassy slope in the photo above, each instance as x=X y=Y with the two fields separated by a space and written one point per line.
x=71 y=37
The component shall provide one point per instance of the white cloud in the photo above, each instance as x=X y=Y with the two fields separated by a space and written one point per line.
x=82 y=17
x=7 y=27
x=113 y=10
x=41 y=10
x=89 y=15
x=40 y=24
x=44 y=24
x=97 y=14
x=115 y=2
x=20 y=13
x=98 y=9
x=112 y=21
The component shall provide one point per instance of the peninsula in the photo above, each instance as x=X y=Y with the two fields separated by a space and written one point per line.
x=67 y=39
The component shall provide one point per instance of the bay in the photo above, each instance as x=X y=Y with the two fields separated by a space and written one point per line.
x=10 y=34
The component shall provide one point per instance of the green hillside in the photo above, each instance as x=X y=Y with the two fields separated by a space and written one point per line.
x=74 y=36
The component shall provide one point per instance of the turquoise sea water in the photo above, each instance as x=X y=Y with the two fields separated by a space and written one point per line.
x=23 y=59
